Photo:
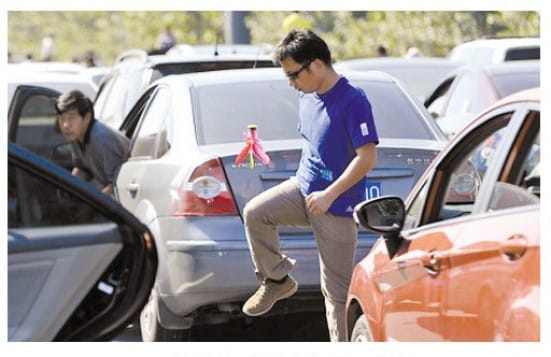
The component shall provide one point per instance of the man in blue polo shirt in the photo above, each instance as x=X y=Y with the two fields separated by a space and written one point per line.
x=339 y=149
x=98 y=150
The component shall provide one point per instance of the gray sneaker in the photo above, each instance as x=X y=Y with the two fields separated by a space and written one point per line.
x=268 y=294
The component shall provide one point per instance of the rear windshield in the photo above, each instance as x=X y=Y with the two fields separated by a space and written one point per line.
x=519 y=54
x=508 y=83
x=165 y=69
x=273 y=107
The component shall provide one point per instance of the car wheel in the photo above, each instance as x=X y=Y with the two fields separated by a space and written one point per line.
x=361 y=332
x=151 y=329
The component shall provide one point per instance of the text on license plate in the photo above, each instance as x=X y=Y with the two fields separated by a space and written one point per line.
x=373 y=190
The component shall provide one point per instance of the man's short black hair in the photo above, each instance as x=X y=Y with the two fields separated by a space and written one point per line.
x=302 y=46
x=74 y=99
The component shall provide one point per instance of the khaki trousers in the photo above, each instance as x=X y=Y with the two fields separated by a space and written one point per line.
x=284 y=205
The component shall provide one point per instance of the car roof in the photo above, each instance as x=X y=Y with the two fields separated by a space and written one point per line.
x=61 y=82
x=499 y=68
x=220 y=49
x=496 y=50
x=502 y=42
x=58 y=67
x=140 y=56
x=248 y=75
x=392 y=62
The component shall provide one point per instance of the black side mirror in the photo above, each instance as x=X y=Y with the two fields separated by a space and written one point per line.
x=385 y=215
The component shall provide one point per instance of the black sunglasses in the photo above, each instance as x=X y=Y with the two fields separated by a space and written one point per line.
x=293 y=76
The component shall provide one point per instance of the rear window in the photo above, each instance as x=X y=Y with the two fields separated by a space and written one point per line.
x=519 y=54
x=223 y=112
x=165 y=69
x=509 y=83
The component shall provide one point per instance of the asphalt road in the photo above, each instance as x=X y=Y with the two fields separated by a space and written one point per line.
x=301 y=327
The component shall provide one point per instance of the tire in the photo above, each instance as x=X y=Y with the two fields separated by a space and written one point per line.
x=361 y=332
x=152 y=330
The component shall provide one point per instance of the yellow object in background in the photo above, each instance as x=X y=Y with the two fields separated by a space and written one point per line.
x=295 y=21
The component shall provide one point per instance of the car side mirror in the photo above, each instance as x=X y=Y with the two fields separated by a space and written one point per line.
x=385 y=215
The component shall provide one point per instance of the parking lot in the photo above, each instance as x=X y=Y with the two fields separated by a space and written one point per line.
x=446 y=206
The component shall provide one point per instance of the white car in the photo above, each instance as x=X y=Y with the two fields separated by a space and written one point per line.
x=134 y=70
x=469 y=89
x=498 y=50
x=61 y=77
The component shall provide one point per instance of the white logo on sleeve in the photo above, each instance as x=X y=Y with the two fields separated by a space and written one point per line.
x=363 y=127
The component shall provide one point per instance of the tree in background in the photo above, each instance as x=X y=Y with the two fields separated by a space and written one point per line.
x=350 y=34
x=434 y=33
x=106 y=33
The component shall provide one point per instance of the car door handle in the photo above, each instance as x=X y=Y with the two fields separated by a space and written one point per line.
x=514 y=247
x=434 y=262
x=133 y=187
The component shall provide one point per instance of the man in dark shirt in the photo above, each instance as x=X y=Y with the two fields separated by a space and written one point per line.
x=98 y=150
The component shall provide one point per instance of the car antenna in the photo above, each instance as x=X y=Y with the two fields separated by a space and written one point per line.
x=216 y=44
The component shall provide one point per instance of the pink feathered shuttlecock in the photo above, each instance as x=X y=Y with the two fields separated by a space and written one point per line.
x=252 y=148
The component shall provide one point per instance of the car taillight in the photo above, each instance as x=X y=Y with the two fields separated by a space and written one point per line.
x=205 y=193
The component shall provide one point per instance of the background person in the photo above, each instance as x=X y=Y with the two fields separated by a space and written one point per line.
x=339 y=148
x=98 y=150
x=413 y=52
x=165 y=41
x=381 y=51
x=47 y=48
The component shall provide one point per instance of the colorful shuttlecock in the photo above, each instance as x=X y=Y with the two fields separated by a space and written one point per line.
x=252 y=148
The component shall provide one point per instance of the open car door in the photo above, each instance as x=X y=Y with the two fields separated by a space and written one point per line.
x=32 y=124
x=80 y=266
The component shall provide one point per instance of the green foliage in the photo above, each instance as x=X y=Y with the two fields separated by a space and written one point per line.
x=349 y=34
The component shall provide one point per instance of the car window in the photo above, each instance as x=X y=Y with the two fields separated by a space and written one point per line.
x=35 y=202
x=413 y=216
x=519 y=54
x=165 y=69
x=152 y=139
x=37 y=130
x=509 y=83
x=523 y=186
x=225 y=111
x=113 y=102
x=439 y=99
x=457 y=180
x=462 y=93
x=273 y=107
x=393 y=112
x=467 y=175
x=420 y=81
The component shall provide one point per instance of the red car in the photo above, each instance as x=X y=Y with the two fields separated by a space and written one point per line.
x=448 y=269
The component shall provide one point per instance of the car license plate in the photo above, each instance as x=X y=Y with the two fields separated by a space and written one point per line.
x=373 y=190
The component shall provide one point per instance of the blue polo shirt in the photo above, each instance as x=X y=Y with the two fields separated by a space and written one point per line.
x=332 y=126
